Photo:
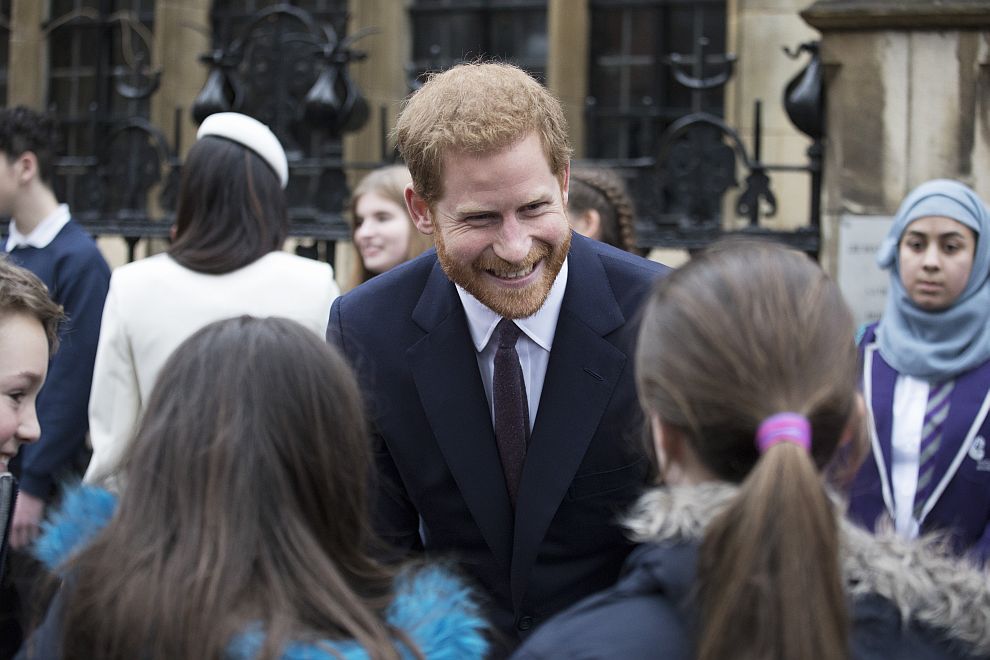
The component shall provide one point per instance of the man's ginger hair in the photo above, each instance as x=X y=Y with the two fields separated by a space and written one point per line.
x=477 y=108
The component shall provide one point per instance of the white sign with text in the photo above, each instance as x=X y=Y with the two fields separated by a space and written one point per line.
x=862 y=283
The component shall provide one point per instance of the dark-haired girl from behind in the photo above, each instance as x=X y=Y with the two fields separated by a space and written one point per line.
x=241 y=530
x=747 y=369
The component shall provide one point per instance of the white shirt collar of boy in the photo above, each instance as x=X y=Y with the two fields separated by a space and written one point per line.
x=42 y=235
x=533 y=345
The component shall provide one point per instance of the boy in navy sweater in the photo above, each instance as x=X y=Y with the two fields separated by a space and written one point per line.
x=43 y=238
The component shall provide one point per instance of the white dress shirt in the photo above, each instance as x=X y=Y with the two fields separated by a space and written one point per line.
x=533 y=345
x=42 y=235
x=910 y=401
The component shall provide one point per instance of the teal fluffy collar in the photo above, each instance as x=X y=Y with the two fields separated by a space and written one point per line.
x=430 y=605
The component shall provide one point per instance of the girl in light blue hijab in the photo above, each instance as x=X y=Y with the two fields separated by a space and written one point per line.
x=926 y=374
x=937 y=341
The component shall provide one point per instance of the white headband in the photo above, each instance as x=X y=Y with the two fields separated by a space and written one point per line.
x=251 y=133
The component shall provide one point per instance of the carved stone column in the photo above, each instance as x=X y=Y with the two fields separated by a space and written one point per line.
x=382 y=76
x=182 y=29
x=28 y=70
x=568 y=62
x=908 y=99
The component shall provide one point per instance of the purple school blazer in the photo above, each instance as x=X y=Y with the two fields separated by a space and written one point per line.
x=960 y=504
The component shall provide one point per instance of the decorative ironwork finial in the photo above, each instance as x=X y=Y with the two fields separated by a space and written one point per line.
x=804 y=96
x=333 y=103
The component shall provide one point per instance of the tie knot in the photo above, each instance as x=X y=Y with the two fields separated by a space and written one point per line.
x=508 y=333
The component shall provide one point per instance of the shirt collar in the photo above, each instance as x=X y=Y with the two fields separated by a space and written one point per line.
x=540 y=327
x=43 y=234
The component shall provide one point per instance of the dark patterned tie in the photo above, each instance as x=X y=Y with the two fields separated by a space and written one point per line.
x=931 y=437
x=511 y=406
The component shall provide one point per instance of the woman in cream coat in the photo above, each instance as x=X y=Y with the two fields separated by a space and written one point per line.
x=225 y=261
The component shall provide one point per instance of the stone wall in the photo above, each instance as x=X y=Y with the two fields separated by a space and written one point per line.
x=908 y=99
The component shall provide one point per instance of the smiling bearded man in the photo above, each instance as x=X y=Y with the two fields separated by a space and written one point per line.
x=509 y=303
x=500 y=229
x=497 y=369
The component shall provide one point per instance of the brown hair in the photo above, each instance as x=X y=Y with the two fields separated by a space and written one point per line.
x=244 y=506
x=231 y=209
x=742 y=332
x=603 y=190
x=390 y=182
x=21 y=292
x=477 y=108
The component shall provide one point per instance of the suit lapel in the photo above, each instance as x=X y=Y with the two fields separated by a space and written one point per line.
x=582 y=372
x=445 y=369
x=879 y=380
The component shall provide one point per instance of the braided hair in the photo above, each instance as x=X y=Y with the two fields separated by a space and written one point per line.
x=604 y=191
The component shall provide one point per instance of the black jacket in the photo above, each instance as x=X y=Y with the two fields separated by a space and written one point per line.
x=648 y=613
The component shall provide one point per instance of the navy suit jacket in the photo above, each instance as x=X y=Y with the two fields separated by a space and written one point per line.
x=440 y=484
x=959 y=507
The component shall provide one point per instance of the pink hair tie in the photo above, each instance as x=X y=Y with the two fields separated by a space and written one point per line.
x=784 y=427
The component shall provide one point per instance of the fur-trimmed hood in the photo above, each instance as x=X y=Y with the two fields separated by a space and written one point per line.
x=430 y=605
x=921 y=578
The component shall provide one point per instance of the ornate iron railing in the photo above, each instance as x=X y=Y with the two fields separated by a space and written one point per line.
x=101 y=78
x=283 y=67
x=291 y=71
x=679 y=192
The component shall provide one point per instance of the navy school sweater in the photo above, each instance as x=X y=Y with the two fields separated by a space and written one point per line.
x=77 y=277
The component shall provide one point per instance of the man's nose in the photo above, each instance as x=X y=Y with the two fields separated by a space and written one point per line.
x=514 y=242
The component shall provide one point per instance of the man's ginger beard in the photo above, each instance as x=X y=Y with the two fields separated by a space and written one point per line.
x=506 y=302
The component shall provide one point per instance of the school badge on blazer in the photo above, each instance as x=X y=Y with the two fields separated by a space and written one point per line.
x=977 y=452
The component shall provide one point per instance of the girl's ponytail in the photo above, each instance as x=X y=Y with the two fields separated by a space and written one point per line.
x=770 y=584
x=735 y=336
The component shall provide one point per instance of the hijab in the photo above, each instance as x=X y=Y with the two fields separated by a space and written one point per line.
x=937 y=345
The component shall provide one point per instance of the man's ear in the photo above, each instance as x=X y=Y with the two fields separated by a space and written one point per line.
x=27 y=167
x=419 y=211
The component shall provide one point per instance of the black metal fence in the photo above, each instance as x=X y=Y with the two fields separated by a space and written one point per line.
x=290 y=68
x=280 y=64
x=680 y=191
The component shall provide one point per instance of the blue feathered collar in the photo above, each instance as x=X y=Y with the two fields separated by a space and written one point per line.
x=431 y=606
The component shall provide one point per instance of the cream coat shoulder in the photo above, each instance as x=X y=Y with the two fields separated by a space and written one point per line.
x=155 y=304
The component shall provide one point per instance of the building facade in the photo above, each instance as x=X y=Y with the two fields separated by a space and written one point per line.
x=128 y=77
